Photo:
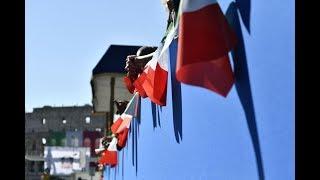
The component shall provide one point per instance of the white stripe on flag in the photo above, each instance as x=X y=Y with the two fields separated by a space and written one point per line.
x=125 y=123
x=113 y=144
x=194 y=5
x=161 y=54
x=164 y=55
x=116 y=117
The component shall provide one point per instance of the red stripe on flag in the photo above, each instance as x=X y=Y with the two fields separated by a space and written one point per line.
x=122 y=137
x=205 y=38
x=116 y=125
x=215 y=75
x=109 y=158
x=155 y=85
x=138 y=85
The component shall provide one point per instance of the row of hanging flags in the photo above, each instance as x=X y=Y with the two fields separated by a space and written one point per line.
x=204 y=40
x=120 y=130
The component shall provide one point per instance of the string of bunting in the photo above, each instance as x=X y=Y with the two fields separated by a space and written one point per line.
x=108 y=150
x=205 y=39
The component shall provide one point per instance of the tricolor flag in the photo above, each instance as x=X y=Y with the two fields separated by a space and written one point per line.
x=205 y=38
x=121 y=126
x=123 y=130
x=116 y=123
x=135 y=86
x=110 y=155
x=153 y=80
x=138 y=85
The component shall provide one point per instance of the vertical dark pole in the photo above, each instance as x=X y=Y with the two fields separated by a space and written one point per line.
x=109 y=120
x=107 y=124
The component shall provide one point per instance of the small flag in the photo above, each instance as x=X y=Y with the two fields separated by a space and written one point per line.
x=110 y=155
x=122 y=125
x=116 y=125
x=130 y=113
x=138 y=85
x=123 y=130
x=153 y=80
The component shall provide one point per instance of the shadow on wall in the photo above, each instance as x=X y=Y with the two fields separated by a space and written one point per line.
x=244 y=7
x=134 y=130
x=242 y=86
x=176 y=97
x=242 y=82
x=155 y=109
x=176 y=93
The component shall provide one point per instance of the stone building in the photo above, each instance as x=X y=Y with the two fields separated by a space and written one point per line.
x=107 y=86
x=107 y=80
x=42 y=122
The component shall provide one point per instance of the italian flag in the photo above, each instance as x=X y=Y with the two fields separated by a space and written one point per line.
x=110 y=155
x=205 y=38
x=135 y=86
x=121 y=126
x=152 y=82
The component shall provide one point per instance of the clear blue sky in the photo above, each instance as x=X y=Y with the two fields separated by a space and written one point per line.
x=65 y=40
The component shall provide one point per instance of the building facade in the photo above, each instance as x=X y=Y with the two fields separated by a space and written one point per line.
x=43 y=125
x=78 y=126
x=107 y=80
